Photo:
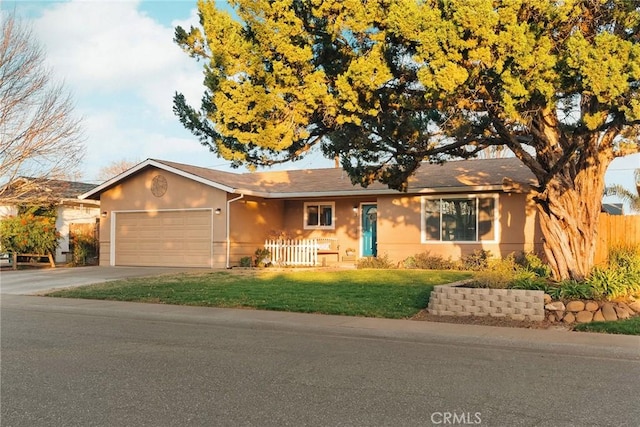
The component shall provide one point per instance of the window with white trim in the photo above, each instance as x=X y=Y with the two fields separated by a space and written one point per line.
x=319 y=215
x=459 y=219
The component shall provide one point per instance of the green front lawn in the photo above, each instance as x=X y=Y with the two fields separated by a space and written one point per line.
x=370 y=293
x=627 y=327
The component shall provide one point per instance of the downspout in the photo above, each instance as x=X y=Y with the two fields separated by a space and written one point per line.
x=228 y=230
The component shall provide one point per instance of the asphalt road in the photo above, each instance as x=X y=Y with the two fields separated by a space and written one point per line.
x=97 y=363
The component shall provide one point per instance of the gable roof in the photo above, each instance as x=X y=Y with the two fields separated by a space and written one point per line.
x=613 y=208
x=454 y=176
x=41 y=189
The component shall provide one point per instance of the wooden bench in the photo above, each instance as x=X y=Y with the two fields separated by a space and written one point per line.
x=328 y=246
x=35 y=258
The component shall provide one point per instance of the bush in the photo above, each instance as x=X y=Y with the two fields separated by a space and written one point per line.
x=84 y=248
x=502 y=273
x=380 y=262
x=245 y=261
x=625 y=257
x=426 y=261
x=572 y=289
x=262 y=257
x=29 y=234
x=621 y=278
x=612 y=282
x=476 y=261
x=530 y=261
x=498 y=273
x=537 y=284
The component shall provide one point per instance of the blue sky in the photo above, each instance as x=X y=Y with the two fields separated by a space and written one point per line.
x=120 y=63
x=122 y=67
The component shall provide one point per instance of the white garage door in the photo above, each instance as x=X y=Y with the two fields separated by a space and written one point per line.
x=165 y=238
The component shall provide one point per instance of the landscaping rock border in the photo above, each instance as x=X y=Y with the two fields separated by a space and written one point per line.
x=586 y=311
x=455 y=300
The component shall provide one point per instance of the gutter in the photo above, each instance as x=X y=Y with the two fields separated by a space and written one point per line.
x=367 y=192
x=228 y=230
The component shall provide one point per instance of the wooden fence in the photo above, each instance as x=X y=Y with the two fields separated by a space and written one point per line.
x=616 y=230
x=300 y=252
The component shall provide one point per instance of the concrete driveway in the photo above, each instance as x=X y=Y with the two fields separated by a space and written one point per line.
x=36 y=281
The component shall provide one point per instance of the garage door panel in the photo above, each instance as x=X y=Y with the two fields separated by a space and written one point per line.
x=193 y=234
x=193 y=247
x=174 y=234
x=168 y=238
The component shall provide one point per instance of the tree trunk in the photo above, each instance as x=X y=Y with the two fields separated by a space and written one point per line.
x=569 y=210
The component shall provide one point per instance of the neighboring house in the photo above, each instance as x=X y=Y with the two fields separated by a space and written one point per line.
x=613 y=208
x=171 y=214
x=63 y=195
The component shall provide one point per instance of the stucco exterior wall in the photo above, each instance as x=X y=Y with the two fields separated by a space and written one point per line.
x=252 y=220
x=399 y=229
x=181 y=193
x=347 y=222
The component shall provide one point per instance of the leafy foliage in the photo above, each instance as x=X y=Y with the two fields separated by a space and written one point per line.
x=538 y=284
x=476 y=261
x=84 y=249
x=500 y=273
x=427 y=261
x=611 y=283
x=572 y=289
x=384 y=86
x=29 y=234
x=262 y=257
x=38 y=209
x=621 y=277
x=371 y=82
x=625 y=257
x=379 y=262
x=532 y=262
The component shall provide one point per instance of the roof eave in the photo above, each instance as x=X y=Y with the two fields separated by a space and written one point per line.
x=149 y=162
x=369 y=192
x=77 y=200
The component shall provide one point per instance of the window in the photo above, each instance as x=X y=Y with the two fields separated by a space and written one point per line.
x=319 y=215
x=459 y=219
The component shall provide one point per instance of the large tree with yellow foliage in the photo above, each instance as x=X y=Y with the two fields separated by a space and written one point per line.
x=386 y=85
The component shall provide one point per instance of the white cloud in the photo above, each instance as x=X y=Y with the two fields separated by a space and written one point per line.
x=123 y=69
x=112 y=47
x=111 y=141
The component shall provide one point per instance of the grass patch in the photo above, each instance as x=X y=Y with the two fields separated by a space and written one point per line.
x=371 y=293
x=627 y=327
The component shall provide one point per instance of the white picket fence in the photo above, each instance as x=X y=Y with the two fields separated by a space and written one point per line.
x=303 y=252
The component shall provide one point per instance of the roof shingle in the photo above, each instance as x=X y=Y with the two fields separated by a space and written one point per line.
x=453 y=174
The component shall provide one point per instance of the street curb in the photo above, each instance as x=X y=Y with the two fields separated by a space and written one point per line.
x=433 y=333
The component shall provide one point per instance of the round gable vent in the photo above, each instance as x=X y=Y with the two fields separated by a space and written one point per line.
x=159 y=185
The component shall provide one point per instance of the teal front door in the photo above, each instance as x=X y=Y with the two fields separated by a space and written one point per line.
x=369 y=230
